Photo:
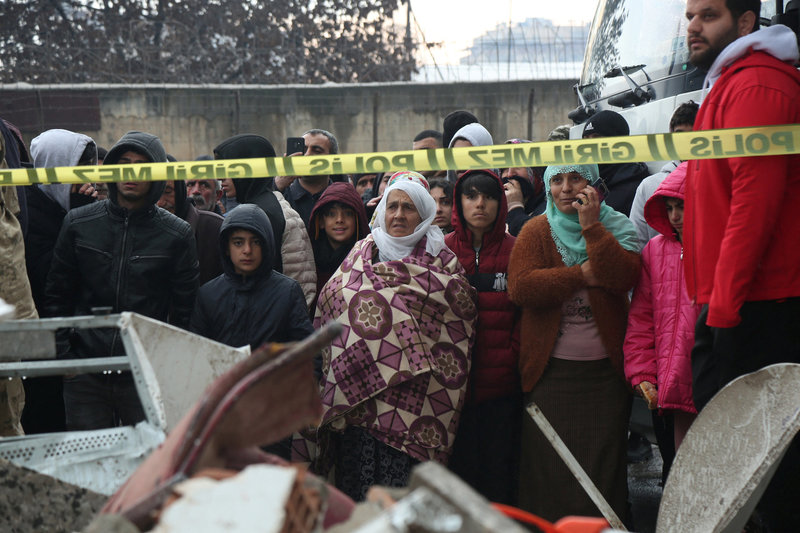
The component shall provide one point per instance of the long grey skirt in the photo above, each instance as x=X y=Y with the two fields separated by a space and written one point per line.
x=588 y=403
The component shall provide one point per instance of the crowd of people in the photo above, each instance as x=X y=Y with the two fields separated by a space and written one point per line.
x=463 y=295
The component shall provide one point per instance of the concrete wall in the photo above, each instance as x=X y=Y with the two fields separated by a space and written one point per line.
x=191 y=120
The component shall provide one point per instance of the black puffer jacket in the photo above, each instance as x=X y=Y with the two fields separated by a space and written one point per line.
x=622 y=180
x=264 y=307
x=106 y=256
x=256 y=190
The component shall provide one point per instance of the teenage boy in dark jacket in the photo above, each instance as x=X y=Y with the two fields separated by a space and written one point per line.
x=250 y=303
x=126 y=254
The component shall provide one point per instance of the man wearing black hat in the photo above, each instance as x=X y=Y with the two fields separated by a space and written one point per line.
x=124 y=254
x=622 y=179
x=454 y=122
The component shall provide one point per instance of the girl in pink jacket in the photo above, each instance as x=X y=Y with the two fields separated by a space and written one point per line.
x=660 y=334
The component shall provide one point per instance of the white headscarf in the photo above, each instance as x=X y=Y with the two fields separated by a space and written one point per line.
x=476 y=134
x=58 y=148
x=397 y=248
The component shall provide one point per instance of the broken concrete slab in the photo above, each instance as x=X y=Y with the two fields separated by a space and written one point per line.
x=435 y=501
x=30 y=501
x=254 y=500
x=731 y=451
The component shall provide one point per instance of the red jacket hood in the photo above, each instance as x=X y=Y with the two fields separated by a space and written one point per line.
x=343 y=193
x=655 y=211
x=457 y=218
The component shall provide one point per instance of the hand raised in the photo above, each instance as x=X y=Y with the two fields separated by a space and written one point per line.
x=588 y=206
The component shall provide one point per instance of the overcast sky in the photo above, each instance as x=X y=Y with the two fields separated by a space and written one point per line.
x=455 y=23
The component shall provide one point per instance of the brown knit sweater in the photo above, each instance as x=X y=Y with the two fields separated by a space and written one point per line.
x=539 y=283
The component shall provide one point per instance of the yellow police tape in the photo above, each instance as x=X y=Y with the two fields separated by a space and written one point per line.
x=712 y=144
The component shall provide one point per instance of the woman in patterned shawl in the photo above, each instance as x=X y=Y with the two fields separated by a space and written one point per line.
x=394 y=382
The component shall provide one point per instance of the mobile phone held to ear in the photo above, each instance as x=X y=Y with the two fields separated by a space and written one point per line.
x=601 y=188
x=294 y=145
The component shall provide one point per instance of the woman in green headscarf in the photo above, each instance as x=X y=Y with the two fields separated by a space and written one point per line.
x=570 y=271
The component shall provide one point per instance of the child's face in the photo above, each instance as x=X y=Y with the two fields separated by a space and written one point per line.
x=244 y=249
x=339 y=224
x=384 y=182
x=444 y=208
x=479 y=210
x=675 y=214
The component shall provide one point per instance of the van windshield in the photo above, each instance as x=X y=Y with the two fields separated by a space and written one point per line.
x=647 y=39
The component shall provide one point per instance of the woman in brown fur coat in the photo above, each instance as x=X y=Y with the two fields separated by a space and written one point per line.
x=570 y=272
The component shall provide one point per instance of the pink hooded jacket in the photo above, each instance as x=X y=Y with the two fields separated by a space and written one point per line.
x=661 y=321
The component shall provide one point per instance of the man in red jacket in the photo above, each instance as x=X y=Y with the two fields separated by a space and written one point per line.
x=741 y=226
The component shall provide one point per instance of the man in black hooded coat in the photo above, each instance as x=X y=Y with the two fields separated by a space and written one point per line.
x=256 y=190
x=124 y=254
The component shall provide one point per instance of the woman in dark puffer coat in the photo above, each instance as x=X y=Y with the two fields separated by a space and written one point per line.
x=487 y=442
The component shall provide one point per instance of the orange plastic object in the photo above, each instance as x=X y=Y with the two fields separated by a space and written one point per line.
x=525 y=517
x=582 y=524
x=568 y=524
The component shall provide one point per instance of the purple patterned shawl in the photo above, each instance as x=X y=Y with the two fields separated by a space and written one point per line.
x=400 y=368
